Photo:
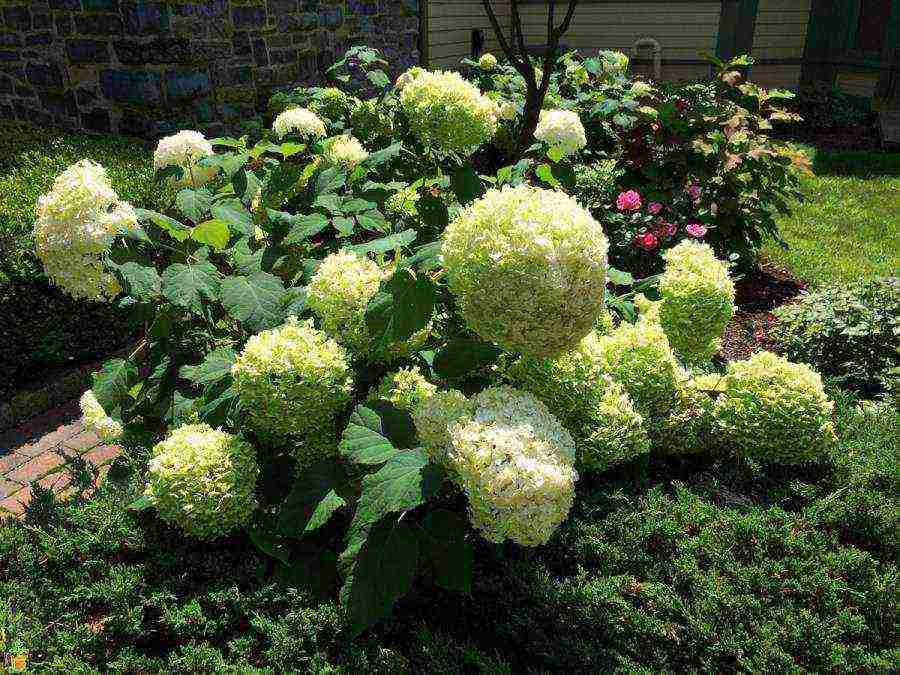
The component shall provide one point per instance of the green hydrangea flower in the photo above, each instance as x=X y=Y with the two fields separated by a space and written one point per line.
x=372 y=124
x=293 y=381
x=406 y=389
x=203 y=480
x=433 y=417
x=333 y=104
x=775 y=410
x=697 y=301
x=447 y=113
x=528 y=268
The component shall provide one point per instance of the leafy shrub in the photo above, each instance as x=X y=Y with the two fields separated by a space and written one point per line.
x=276 y=252
x=710 y=567
x=824 y=107
x=848 y=333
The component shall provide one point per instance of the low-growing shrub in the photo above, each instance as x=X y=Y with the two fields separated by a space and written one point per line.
x=848 y=333
x=825 y=107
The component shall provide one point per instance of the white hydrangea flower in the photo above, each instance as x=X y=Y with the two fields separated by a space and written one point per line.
x=75 y=225
x=407 y=77
x=406 y=389
x=640 y=89
x=433 y=417
x=487 y=61
x=299 y=121
x=185 y=149
x=508 y=110
x=448 y=113
x=345 y=151
x=561 y=129
x=528 y=269
x=94 y=418
x=515 y=462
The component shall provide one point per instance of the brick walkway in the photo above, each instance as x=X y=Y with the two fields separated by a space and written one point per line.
x=37 y=451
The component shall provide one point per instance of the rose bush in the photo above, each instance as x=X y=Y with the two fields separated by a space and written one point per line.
x=364 y=388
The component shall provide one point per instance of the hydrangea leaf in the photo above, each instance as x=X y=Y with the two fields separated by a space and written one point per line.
x=254 y=300
x=467 y=185
x=403 y=307
x=194 y=204
x=188 y=285
x=175 y=229
x=385 y=244
x=364 y=440
x=448 y=552
x=212 y=232
x=381 y=156
x=112 y=384
x=463 y=356
x=142 y=282
x=215 y=366
x=313 y=500
x=234 y=214
x=383 y=572
x=304 y=227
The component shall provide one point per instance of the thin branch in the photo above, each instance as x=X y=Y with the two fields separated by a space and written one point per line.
x=498 y=31
x=526 y=70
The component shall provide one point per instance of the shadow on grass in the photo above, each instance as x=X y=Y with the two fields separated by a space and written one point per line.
x=856 y=164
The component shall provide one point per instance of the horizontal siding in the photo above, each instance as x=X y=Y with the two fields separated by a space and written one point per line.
x=780 y=34
x=857 y=84
x=683 y=29
x=450 y=25
x=785 y=76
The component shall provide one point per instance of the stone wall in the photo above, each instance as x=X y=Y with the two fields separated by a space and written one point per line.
x=149 y=68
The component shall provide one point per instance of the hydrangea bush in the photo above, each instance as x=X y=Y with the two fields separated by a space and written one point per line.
x=364 y=357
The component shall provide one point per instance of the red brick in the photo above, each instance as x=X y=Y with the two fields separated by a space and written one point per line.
x=37 y=467
x=16 y=503
x=103 y=454
x=56 y=482
x=11 y=461
x=83 y=441
x=52 y=439
x=8 y=487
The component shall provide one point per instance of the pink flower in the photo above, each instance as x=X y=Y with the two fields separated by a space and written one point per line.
x=671 y=229
x=696 y=229
x=648 y=241
x=694 y=191
x=655 y=208
x=629 y=201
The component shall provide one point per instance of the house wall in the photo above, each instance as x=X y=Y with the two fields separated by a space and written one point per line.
x=149 y=68
x=779 y=42
x=450 y=26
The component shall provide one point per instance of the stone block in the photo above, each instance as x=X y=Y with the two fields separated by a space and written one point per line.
x=248 y=17
x=39 y=39
x=159 y=50
x=187 y=84
x=44 y=75
x=65 y=25
x=79 y=75
x=10 y=40
x=99 y=24
x=41 y=22
x=146 y=17
x=81 y=50
x=96 y=121
x=129 y=86
x=65 y=4
x=17 y=18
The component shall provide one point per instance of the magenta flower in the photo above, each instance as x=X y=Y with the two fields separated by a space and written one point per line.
x=654 y=208
x=629 y=201
x=671 y=229
x=648 y=241
x=694 y=191
x=696 y=229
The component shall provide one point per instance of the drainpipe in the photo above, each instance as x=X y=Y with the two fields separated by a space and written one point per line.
x=656 y=49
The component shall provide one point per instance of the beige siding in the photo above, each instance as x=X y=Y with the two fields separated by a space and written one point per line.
x=450 y=25
x=683 y=29
x=780 y=34
x=857 y=84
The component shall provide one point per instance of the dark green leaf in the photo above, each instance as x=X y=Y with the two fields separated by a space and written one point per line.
x=187 y=285
x=142 y=503
x=386 y=244
x=447 y=550
x=330 y=181
x=467 y=185
x=364 y=440
x=358 y=205
x=305 y=227
x=295 y=301
x=403 y=307
x=463 y=356
x=433 y=212
x=215 y=366
x=313 y=499
x=382 y=156
x=264 y=535
x=235 y=214
x=113 y=382
x=254 y=300
x=141 y=282
x=383 y=572
x=314 y=571
x=194 y=204
x=176 y=230
x=344 y=226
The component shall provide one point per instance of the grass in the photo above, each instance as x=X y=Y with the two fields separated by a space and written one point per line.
x=31 y=158
x=849 y=226
x=702 y=565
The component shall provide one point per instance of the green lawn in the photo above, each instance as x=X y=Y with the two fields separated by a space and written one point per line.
x=849 y=226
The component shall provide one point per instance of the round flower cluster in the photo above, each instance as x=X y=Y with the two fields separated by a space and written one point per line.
x=528 y=268
x=185 y=150
x=639 y=357
x=406 y=389
x=74 y=228
x=697 y=301
x=345 y=151
x=630 y=200
x=95 y=419
x=690 y=426
x=333 y=104
x=338 y=295
x=299 y=121
x=775 y=410
x=640 y=89
x=508 y=111
x=590 y=404
x=487 y=61
x=448 y=113
x=203 y=480
x=402 y=203
x=433 y=417
x=372 y=123
x=562 y=130
x=514 y=461
x=292 y=381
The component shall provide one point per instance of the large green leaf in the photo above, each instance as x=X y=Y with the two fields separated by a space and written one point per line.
x=254 y=300
x=304 y=227
x=466 y=184
x=194 y=204
x=364 y=440
x=383 y=572
x=312 y=570
x=186 y=285
x=404 y=306
x=313 y=500
x=213 y=232
x=382 y=156
x=176 y=230
x=330 y=181
x=386 y=244
x=215 y=366
x=265 y=536
x=235 y=214
x=141 y=282
x=113 y=382
x=447 y=551
x=462 y=356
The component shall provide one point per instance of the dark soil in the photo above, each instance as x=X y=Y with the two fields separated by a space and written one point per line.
x=758 y=293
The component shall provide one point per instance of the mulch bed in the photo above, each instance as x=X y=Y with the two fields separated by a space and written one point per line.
x=757 y=294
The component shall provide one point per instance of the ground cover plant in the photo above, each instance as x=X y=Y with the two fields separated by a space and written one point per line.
x=395 y=358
